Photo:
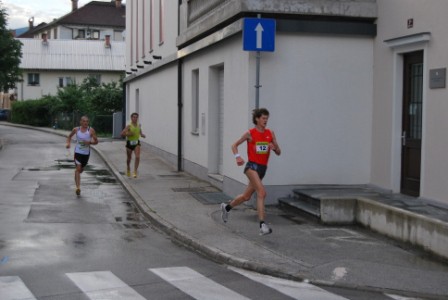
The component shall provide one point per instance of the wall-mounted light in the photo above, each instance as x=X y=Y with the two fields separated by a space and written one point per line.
x=140 y=67
x=157 y=57
x=147 y=62
x=134 y=70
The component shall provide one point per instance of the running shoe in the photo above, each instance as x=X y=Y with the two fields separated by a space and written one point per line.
x=134 y=175
x=78 y=191
x=128 y=173
x=224 y=213
x=264 y=229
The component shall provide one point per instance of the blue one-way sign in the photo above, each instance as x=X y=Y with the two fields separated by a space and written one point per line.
x=258 y=34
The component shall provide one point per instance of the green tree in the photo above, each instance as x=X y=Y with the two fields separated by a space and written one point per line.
x=10 y=55
x=101 y=99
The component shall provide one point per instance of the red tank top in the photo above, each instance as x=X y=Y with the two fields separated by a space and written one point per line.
x=258 y=148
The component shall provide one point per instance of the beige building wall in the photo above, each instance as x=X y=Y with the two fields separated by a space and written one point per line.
x=49 y=82
x=428 y=20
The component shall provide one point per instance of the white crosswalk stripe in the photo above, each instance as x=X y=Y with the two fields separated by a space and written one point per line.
x=293 y=289
x=196 y=285
x=396 y=297
x=12 y=287
x=103 y=285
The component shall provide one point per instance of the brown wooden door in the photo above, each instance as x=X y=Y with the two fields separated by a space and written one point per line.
x=412 y=123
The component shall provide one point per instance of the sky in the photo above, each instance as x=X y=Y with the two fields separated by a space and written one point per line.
x=19 y=11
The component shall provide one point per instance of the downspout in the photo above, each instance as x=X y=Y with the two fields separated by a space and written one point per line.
x=179 y=115
x=179 y=99
x=123 y=115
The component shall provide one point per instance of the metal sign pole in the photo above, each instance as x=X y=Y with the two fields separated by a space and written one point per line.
x=257 y=76
x=258 y=36
x=257 y=81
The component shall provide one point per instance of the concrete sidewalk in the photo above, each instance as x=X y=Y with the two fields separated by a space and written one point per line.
x=187 y=209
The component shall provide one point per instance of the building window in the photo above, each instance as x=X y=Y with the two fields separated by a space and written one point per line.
x=64 y=81
x=137 y=101
x=33 y=79
x=95 y=34
x=81 y=34
x=195 y=102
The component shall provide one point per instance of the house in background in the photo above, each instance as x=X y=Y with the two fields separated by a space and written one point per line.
x=88 y=41
x=356 y=89
x=93 y=21
x=51 y=64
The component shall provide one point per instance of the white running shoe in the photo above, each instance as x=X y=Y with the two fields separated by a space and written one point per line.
x=224 y=213
x=264 y=229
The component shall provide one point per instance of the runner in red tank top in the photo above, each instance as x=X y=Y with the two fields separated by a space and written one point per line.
x=260 y=142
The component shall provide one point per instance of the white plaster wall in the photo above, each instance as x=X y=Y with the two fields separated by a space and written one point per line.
x=237 y=109
x=392 y=23
x=157 y=107
x=49 y=82
x=319 y=92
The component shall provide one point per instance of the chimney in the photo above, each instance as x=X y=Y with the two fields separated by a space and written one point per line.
x=44 y=39
x=117 y=3
x=107 y=41
x=31 y=23
x=74 y=5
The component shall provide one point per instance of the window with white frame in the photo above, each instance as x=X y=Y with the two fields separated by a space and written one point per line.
x=195 y=101
x=33 y=79
x=64 y=81
x=95 y=34
x=81 y=34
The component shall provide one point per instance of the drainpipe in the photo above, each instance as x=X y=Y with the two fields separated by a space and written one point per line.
x=179 y=114
x=179 y=99
x=123 y=103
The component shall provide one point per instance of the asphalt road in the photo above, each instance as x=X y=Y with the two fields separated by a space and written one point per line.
x=56 y=245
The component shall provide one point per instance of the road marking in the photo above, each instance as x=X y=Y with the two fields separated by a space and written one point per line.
x=339 y=273
x=196 y=285
x=103 y=285
x=396 y=297
x=12 y=287
x=293 y=289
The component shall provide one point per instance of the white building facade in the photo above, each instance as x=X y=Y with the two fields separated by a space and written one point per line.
x=51 y=64
x=331 y=85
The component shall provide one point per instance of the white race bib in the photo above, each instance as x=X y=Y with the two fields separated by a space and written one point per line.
x=262 y=147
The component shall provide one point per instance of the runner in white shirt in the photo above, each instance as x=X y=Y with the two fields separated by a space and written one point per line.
x=85 y=136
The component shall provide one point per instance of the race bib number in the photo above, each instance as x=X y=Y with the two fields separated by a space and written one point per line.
x=262 y=147
x=133 y=143
x=82 y=145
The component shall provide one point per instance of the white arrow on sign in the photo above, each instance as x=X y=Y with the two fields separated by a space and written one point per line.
x=259 y=29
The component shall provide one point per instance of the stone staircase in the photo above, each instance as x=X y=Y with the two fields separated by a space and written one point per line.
x=421 y=222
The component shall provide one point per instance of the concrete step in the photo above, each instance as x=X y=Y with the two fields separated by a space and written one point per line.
x=300 y=205
x=408 y=219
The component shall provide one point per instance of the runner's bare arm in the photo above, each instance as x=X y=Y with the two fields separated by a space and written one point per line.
x=69 y=137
